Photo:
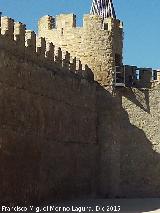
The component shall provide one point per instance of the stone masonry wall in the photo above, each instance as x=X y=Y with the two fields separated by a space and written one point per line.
x=62 y=134
x=94 y=44
x=140 y=148
x=48 y=122
x=129 y=140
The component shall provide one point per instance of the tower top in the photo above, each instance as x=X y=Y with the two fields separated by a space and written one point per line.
x=103 y=8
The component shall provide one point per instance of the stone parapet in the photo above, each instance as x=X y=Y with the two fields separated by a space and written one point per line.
x=96 y=43
x=26 y=44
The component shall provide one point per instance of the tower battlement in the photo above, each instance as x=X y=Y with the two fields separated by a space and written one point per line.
x=68 y=21
x=27 y=45
x=98 y=43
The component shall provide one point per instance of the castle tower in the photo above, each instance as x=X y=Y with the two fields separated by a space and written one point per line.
x=98 y=44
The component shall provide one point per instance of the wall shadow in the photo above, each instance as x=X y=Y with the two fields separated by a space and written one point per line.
x=127 y=155
x=139 y=96
x=125 y=165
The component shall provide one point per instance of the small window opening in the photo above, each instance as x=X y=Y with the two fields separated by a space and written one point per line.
x=62 y=31
x=105 y=26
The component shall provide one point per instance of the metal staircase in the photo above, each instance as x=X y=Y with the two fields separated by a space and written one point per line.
x=120 y=76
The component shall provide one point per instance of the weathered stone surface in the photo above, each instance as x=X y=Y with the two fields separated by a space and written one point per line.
x=48 y=141
x=140 y=151
x=92 y=44
x=64 y=135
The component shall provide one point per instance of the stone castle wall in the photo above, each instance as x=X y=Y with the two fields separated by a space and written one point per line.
x=48 y=120
x=64 y=135
x=129 y=139
x=94 y=44
x=140 y=148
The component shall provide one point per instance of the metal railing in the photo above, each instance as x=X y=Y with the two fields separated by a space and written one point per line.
x=120 y=76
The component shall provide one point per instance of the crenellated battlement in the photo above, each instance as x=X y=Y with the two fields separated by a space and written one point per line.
x=61 y=45
x=68 y=22
x=141 y=77
x=27 y=45
x=7 y=27
x=97 y=43
x=64 y=135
